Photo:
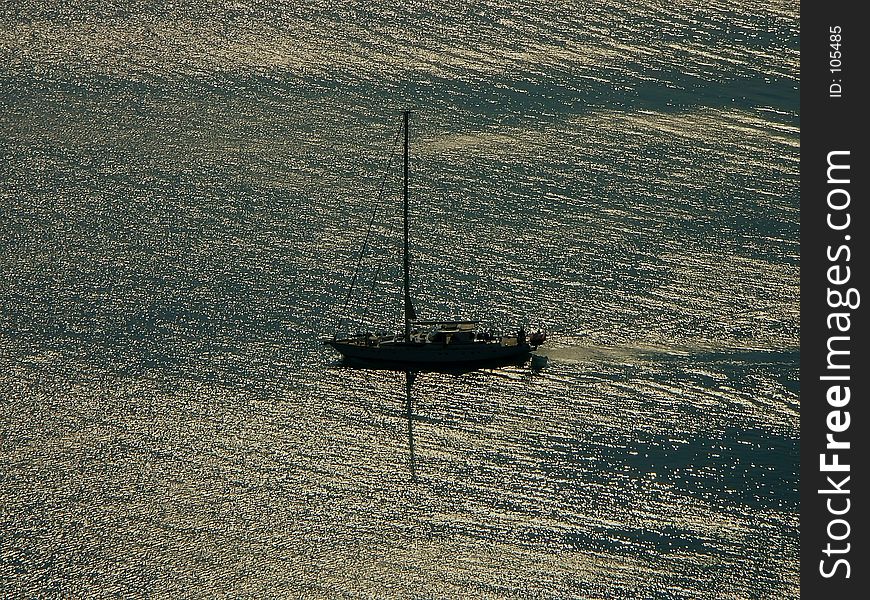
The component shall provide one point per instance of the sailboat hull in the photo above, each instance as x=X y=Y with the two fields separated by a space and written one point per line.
x=430 y=354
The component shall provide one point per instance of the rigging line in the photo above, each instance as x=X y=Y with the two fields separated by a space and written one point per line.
x=370 y=230
x=368 y=234
x=377 y=275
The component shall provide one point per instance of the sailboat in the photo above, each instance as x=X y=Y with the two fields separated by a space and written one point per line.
x=430 y=342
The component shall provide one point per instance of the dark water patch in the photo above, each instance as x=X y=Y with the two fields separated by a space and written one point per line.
x=629 y=541
x=752 y=467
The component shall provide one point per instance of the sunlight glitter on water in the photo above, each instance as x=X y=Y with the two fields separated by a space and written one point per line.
x=184 y=191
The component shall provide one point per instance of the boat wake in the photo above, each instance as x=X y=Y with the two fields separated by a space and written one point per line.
x=630 y=353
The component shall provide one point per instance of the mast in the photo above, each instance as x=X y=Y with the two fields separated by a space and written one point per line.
x=410 y=315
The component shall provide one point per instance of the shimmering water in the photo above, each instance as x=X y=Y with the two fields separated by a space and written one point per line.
x=183 y=190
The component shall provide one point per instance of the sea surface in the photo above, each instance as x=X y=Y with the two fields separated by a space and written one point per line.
x=184 y=191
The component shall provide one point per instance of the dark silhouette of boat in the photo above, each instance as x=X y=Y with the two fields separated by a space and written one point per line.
x=432 y=342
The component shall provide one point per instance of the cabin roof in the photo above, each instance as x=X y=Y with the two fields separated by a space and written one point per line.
x=445 y=322
x=449 y=326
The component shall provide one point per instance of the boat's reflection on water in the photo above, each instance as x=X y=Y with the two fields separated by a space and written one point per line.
x=409 y=414
x=411 y=373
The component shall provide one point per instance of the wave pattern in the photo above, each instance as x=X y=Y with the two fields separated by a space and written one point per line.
x=183 y=190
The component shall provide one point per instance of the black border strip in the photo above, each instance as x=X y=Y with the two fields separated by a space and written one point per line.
x=832 y=122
